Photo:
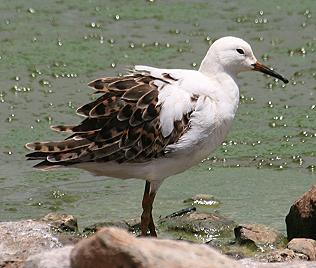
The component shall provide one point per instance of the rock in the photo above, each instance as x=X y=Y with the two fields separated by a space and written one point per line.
x=98 y=226
x=256 y=234
x=203 y=200
x=282 y=255
x=20 y=239
x=304 y=246
x=11 y=264
x=297 y=250
x=197 y=224
x=69 y=238
x=132 y=226
x=62 y=222
x=55 y=258
x=112 y=247
x=249 y=263
x=301 y=219
x=212 y=228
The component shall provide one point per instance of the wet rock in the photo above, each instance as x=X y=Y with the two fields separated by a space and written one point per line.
x=301 y=219
x=256 y=234
x=304 y=246
x=61 y=222
x=207 y=225
x=55 y=258
x=20 y=239
x=112 y=247
x=203 y=200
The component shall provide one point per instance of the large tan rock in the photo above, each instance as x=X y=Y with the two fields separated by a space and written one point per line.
x=304 y=246
x=112 y=247
x=256 y=234
x=301 y=220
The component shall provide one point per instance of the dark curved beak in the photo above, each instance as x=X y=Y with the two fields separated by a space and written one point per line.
x=266 y=70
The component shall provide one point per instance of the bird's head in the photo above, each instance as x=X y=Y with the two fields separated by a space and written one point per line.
x=235 y=55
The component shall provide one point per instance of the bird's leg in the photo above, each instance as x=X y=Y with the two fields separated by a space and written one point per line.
x=151 y=225
x=145 y=218
x=147 y=222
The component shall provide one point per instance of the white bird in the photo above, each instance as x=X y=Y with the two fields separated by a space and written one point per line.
x=153 y=123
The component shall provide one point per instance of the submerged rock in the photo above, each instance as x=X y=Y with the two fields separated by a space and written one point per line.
x=112 y=247
x=301 y=219
x=257 y=234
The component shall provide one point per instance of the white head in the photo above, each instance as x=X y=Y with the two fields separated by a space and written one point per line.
x=233 y=55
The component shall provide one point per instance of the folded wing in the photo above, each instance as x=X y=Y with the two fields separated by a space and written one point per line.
x=134 y=120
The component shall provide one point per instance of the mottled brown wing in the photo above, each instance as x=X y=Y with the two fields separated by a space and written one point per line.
x=121 y=125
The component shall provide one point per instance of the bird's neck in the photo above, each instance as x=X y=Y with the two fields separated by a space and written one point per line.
x=225 y=78
x=211 y=66
x=225 y=84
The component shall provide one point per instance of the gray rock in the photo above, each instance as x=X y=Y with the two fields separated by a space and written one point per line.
x=112 y=247
x=55 y=258
x=256 y=234
x=20 y=239
x=304 y=246
x=301 y=219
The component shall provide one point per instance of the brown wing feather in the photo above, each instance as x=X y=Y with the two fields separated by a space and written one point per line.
x=85 y=109
x=57 y=146
x=121 y=125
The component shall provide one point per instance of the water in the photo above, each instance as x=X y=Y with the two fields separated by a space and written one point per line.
x=50 y=51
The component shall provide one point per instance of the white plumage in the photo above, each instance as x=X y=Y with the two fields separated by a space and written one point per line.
x=195 y=110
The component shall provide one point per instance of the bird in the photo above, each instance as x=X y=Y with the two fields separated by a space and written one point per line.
x=153 y=123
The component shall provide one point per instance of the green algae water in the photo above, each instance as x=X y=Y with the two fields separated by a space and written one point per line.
x=50 y=50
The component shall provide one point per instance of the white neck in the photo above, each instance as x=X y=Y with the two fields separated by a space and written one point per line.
x=225 y=78
x=211 y=65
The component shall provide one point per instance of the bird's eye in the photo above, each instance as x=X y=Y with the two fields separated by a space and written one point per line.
x=240 y=51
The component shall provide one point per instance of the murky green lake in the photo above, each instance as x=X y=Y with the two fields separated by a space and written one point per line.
x=50 y=50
